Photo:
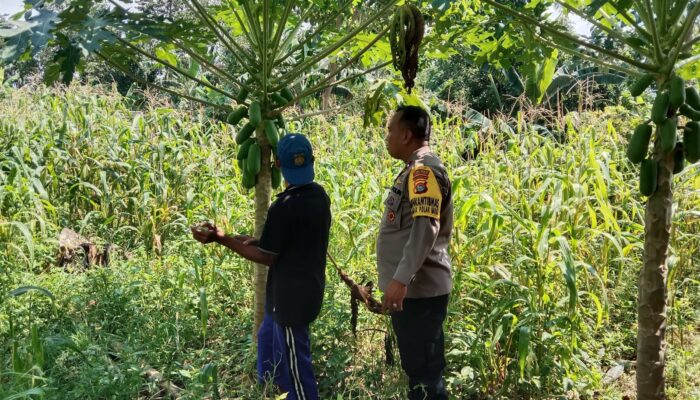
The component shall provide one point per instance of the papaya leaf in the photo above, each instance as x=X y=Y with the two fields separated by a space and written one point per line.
x=31 y=35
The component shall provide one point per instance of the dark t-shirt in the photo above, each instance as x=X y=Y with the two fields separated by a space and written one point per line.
x=296 y=230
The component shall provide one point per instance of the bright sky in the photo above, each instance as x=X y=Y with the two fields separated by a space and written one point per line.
x=13 y=6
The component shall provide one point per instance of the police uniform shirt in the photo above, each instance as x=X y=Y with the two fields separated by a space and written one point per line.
x=416 y=227
x=296 y=230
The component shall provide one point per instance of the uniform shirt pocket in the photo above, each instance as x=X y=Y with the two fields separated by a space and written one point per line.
x=392 y=210
x=393 y=200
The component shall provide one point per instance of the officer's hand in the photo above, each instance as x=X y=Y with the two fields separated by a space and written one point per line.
x=394 y=295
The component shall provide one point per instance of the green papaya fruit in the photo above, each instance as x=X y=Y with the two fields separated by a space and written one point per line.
x=690 y=112
x=244 y=133
x=241 y=164
x=639 y=143
x=287 y=94
x=243 y=149
x=668 y=134
x=271 y=132
x=660 y=108
x=691 y=141
x=248 y=180
x=235 y=116
x=276 y=177
x=242 y=95
x=692 y=97
x=641 y=84
x=678 y=158
x=254 y=113
x=253 y=161
x=278 y=100
x=676 y=91
x=281 y=123
x=647 y=177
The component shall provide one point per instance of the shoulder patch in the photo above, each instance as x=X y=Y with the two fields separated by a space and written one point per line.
x=424 y=193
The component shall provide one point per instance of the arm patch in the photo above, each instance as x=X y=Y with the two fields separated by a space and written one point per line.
x=424 y=193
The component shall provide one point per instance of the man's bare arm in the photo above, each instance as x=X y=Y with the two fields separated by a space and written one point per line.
x=245 y=246
x=248 y=250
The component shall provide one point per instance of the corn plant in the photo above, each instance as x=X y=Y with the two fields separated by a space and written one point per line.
x=656 y=42
x=246 y=59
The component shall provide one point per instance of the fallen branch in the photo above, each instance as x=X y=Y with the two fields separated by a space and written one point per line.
x=358 y=292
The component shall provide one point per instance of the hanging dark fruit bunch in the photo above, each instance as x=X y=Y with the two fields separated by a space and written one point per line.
x=407 y=29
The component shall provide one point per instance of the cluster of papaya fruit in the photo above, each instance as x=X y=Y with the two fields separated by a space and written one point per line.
x=668 y=106
x=405 y=35
x=249 y=155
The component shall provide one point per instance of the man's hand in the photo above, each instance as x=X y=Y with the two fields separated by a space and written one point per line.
x=206 y=233
x=394 y=295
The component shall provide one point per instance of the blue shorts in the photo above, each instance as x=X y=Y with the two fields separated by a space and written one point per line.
x=284 y=357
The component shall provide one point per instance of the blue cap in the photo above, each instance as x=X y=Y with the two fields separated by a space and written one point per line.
x=296 y=159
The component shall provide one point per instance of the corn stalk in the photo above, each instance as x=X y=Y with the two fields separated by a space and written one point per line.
x=243 y=46
x=659 y=40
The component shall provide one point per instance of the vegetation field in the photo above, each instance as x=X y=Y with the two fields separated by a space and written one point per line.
x=546 y=252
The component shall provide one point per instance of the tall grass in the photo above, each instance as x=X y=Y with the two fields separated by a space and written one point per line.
x=547 y=246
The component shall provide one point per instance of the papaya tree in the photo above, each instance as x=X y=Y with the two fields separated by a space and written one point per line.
x=244 y=61
x=656 y=42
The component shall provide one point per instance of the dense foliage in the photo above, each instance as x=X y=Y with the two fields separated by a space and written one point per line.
x=547 y=247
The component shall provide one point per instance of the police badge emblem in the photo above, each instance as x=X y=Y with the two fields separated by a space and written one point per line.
x=420 y=181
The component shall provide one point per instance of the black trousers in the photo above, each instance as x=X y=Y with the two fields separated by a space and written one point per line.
x=421 y=342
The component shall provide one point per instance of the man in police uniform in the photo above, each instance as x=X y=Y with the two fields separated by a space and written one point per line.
x=412 y=260
x=294 y=243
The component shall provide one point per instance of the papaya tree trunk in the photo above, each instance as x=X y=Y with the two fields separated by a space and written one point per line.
x=651 y=308
x=326 y=98
x=263 y=191
x=327 y=94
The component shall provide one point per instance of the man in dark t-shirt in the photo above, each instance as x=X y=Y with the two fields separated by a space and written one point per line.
x=294 y=244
